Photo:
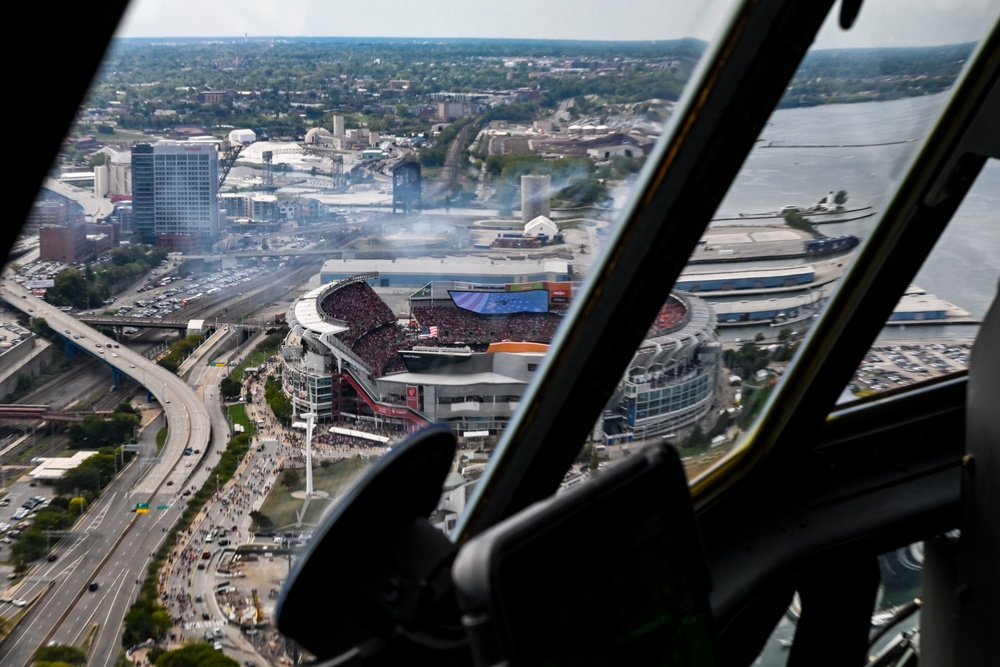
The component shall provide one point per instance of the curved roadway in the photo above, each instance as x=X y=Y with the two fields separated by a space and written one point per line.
x=186 y=414
x=112 y=552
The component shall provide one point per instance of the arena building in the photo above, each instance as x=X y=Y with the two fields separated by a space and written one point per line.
x=468 y=352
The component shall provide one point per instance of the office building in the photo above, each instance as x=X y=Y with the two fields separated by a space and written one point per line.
x=175 y=194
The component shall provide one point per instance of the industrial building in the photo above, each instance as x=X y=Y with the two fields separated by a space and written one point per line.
x=724 y=281
x=420 y=271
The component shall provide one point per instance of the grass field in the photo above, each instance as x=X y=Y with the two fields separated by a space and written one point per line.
x=238 y=413
x=281 y=507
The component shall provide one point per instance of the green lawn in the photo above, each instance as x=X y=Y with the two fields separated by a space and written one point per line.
x=281 y=507
x=238 y=413
x=255 y=358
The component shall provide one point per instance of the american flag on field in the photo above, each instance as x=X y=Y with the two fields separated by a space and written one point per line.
x=428 y=332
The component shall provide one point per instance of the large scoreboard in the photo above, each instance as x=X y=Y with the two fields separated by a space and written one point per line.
x=515 y=298
x=502 y=303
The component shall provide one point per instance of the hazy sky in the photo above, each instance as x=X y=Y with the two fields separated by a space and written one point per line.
x=889 y=22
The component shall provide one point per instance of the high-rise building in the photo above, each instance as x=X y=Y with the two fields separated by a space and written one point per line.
x=175 y=194
x=536 y=190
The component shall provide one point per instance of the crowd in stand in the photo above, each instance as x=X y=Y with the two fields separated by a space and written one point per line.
x=670 y=317
x=456 y=325
x=373 y=335
x=378 y=348
x=359 y=306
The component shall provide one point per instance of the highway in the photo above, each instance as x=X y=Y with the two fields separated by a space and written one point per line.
x=110 y=545
x=186 y=414
x=103 y=547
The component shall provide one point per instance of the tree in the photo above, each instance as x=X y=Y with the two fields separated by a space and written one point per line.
x=41 y=327
x=94 y=432
x=261 y=520
x=52 y=517
x=796 y=220
x=229 y=387
x=145 y=620
x=61 y=653
x=77 y=505
x=291 y=478
x=78 y=478
x=698 y=437
x=31 y=545
x=195 y=655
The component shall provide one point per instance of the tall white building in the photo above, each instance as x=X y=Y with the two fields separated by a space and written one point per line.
x=338 y=126
x=536 y=191
x=175 y=194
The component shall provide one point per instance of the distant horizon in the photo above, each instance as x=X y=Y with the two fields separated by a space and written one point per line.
x=536 y=40
x=404 y=39
x=889 y=23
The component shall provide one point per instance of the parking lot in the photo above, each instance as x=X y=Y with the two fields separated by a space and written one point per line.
x=889 y=366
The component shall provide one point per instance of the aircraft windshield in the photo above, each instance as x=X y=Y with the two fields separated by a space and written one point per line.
x=339 y=227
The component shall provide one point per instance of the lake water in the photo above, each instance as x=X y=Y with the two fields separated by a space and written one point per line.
x=788 y=167
x=963 y=269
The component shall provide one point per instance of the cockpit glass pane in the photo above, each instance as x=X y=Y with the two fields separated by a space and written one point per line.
x=931 y=332
x=809 y=194
x=389 y=229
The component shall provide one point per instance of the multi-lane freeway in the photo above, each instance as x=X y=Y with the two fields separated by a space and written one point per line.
x=111 y=545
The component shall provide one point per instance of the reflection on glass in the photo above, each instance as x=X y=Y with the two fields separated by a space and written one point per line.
x=808 y=196
x=403 y=222
x=932 y=331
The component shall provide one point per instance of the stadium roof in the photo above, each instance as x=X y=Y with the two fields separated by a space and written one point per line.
x=758 y=306
x=306 y=313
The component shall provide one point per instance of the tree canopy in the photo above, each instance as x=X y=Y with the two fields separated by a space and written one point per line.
x=195 y=655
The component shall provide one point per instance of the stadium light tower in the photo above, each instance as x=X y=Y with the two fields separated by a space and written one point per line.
x=309 y=417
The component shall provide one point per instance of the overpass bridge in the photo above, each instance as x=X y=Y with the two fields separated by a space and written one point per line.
x=137 y=322
x=186 y=413
x=155 y=323
x=45 y=412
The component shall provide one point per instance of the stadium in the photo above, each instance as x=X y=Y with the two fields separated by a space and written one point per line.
x=467 y=352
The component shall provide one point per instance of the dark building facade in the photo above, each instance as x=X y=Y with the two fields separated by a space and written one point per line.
x=406 y=187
